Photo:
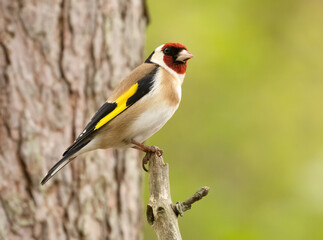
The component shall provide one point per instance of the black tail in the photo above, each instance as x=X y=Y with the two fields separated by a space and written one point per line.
x=58 y=166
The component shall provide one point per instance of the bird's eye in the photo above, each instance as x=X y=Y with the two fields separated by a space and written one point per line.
x=167 y=50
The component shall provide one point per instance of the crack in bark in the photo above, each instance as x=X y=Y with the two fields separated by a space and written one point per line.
x=105 y=50
x=6 y=53
x=108 y=224
x=119 y=176
x=65 y=217
x=8 y=130
x=8 y=62
x=21 y=21
x=61 y=26
x=73 y=106
x=24 y=166
x=68 y=18
x=92 y=55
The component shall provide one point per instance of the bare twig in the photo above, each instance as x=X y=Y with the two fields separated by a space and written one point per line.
x=180 y=207
x=162 y=214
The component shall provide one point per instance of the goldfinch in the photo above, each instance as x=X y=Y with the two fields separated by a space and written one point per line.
x=137 y=108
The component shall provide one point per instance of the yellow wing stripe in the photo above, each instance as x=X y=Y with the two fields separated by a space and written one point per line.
x=121 y=106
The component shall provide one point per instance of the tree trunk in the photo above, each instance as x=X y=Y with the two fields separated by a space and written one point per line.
x=59 y=61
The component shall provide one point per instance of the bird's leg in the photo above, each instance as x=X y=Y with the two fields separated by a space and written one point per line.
x=148 y=150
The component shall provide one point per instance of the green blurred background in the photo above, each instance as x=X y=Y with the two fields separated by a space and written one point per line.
x=250 y=124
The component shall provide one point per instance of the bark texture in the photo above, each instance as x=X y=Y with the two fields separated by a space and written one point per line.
x=162 y=214
x=59 y=61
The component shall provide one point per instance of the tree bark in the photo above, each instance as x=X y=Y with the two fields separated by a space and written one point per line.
x=59 y=61
x=162 y=214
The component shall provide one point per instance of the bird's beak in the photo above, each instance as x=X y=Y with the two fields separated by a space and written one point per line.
x=184 y=55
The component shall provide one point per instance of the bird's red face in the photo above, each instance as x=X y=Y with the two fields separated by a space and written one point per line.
x=172 y=56
x=176 y=56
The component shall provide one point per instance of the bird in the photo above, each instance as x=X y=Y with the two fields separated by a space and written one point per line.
x=137 y=108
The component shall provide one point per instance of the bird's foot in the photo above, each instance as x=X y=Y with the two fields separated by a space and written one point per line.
x=145 y=160
x=154 y=149
x=148 y=150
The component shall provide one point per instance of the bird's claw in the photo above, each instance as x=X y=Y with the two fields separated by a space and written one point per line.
x=150 y=150
x=145 y=160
